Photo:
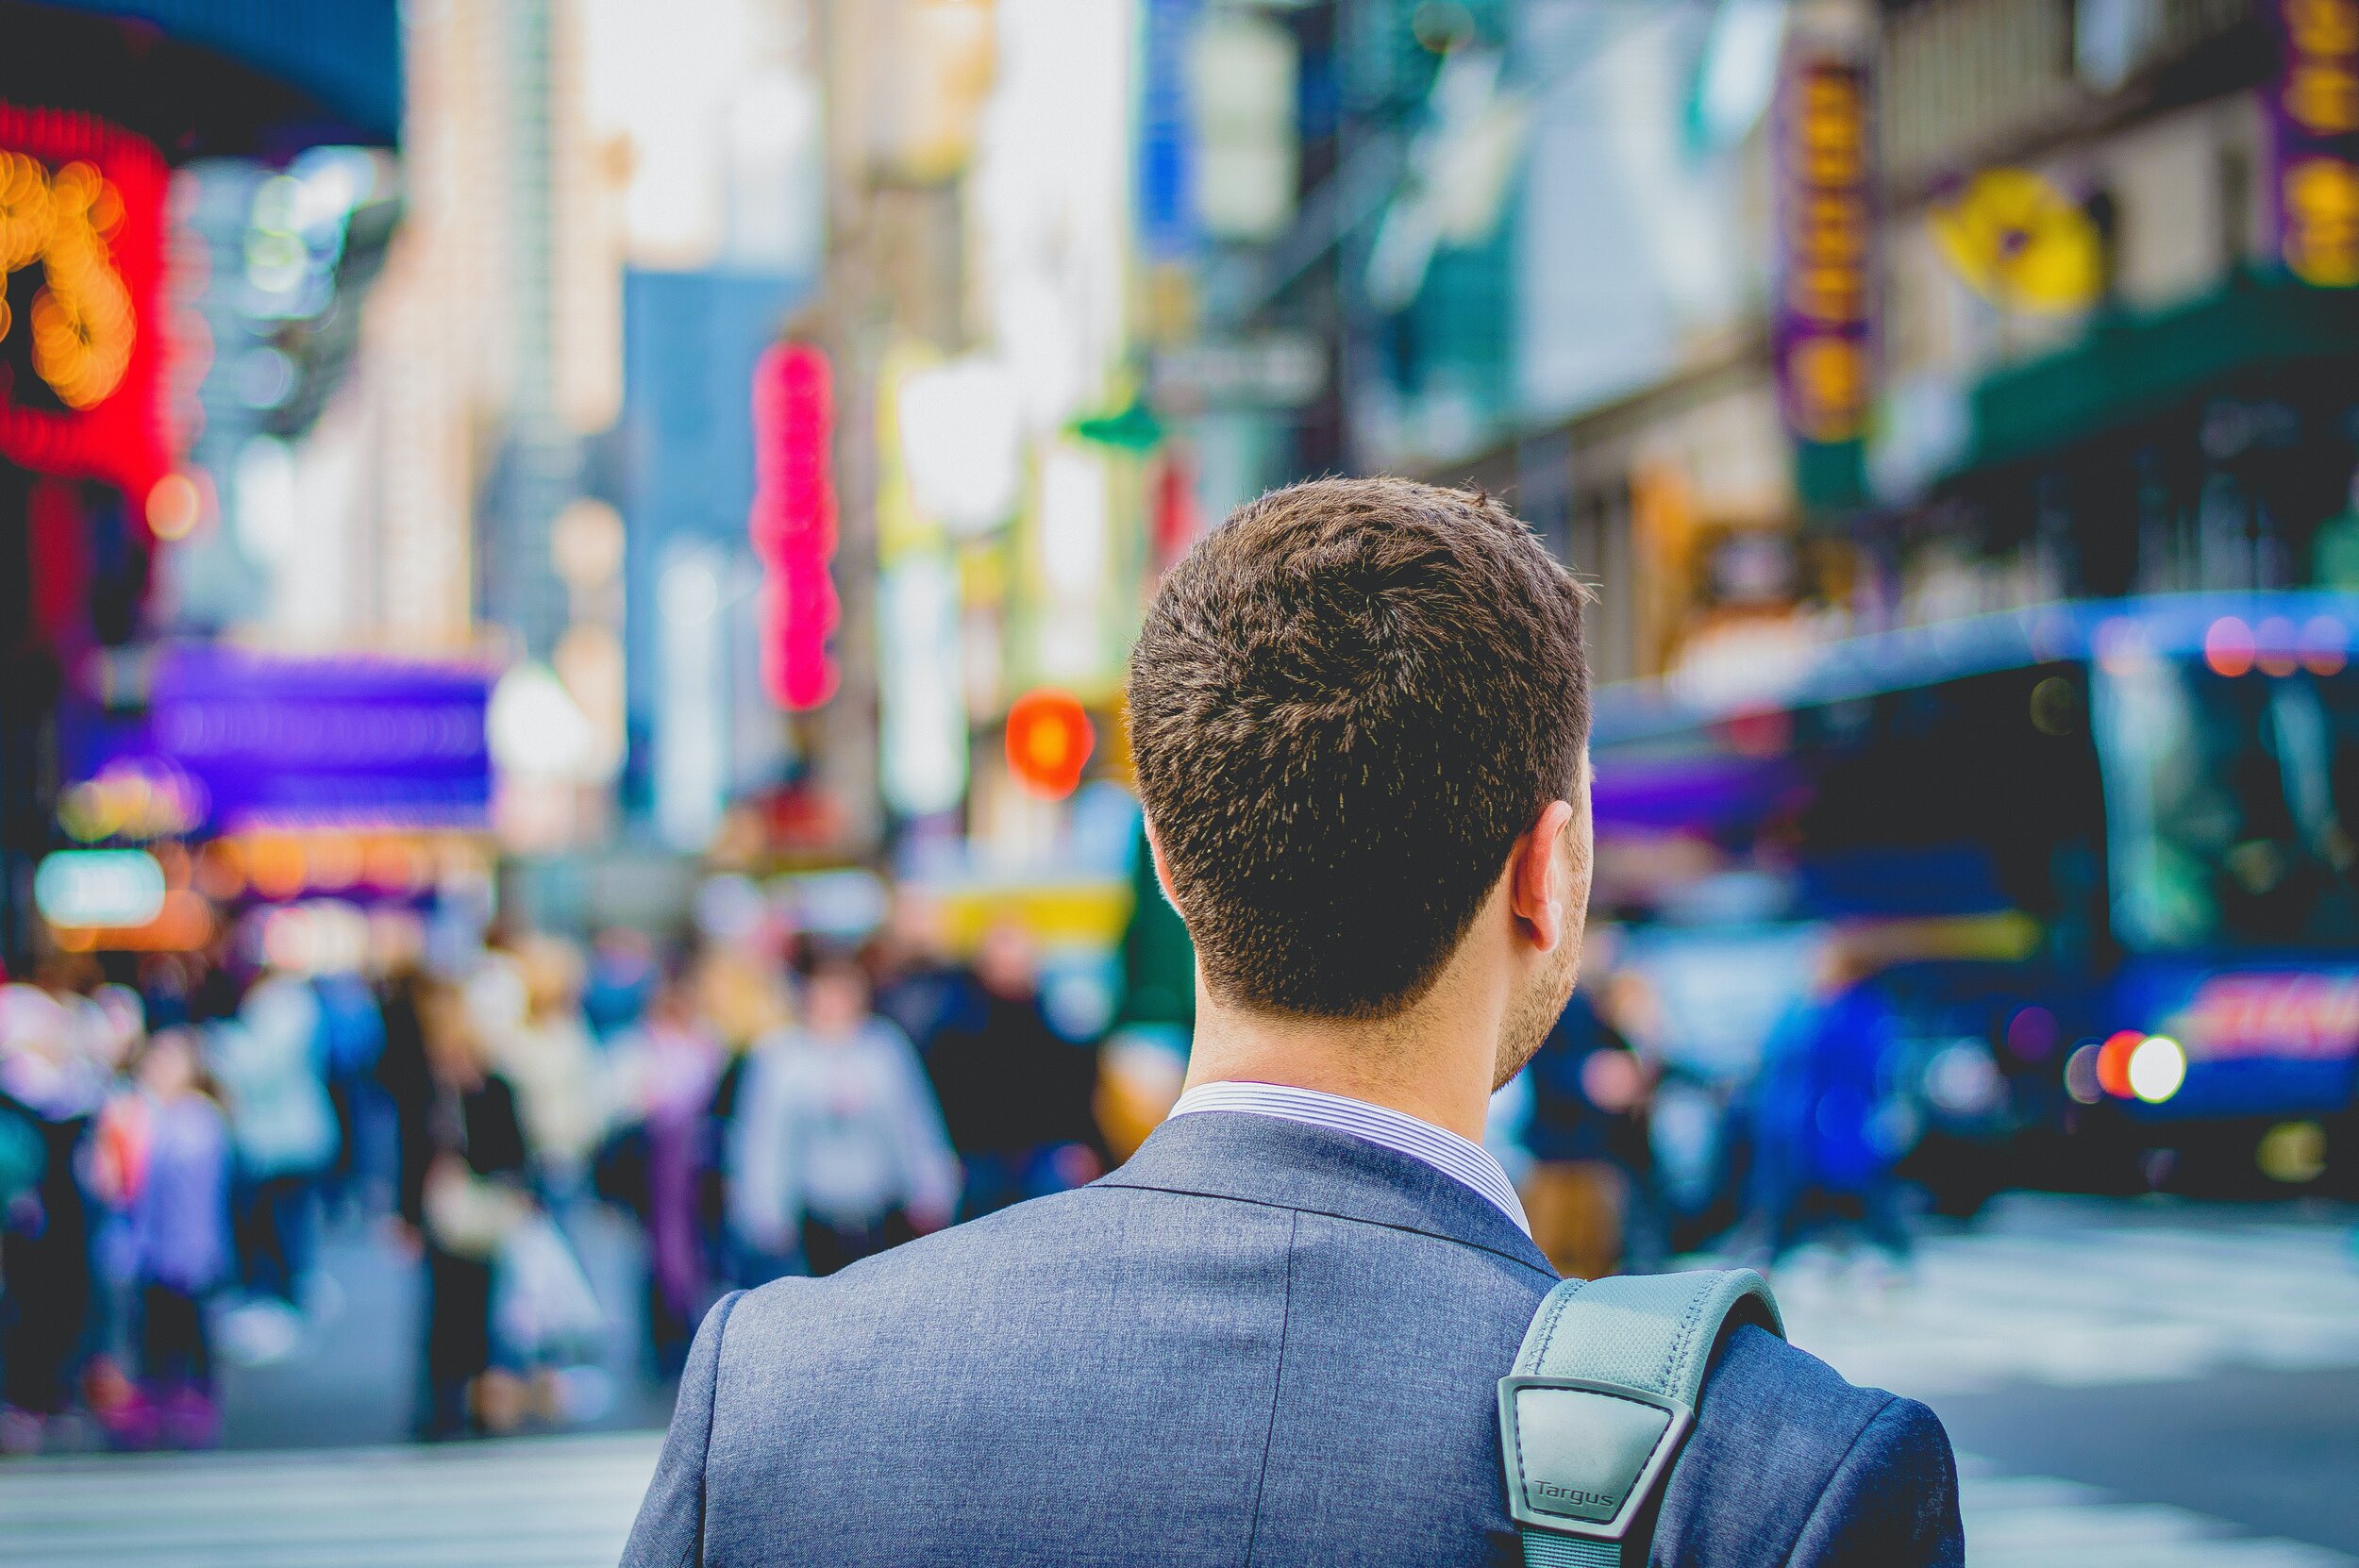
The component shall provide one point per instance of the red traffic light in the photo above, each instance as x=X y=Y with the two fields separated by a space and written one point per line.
x=1049 y=738
x=2113 y=1061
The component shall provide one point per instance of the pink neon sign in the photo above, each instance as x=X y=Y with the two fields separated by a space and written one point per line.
x=793 y=523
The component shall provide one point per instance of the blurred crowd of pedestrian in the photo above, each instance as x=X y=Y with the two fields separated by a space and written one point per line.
x=1806 y=1146
x=177 y=1129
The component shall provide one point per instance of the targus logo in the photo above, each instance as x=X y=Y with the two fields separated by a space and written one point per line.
x=1571 y=1497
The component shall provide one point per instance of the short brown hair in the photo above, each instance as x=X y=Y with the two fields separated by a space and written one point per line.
x=1347 y=703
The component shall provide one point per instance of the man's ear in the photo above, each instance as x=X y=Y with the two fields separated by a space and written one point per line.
x=1163 y=872
x=1539 y=878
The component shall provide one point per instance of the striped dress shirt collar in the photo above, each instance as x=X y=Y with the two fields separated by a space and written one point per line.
x=1468 y=1163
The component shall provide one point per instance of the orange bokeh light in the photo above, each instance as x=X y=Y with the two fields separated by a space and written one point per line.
x=2229 y=647
x=276 y=866
x=220 y=871
x=183 y=924
x=1049 y=738
x=174 y=506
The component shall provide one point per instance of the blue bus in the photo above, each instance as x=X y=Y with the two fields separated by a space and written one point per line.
x=2105 y=856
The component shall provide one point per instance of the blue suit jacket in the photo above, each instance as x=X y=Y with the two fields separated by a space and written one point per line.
x=1258 y=1342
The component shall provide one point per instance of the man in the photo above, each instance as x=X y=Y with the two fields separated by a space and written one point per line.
x=1014 y=1094
x=1360 y=715
x=1822 y=1113
x=1587 y=1137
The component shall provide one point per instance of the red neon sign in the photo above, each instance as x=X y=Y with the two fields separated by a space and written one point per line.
x=793 y=523
x=81 y=355
x=2310 y=1016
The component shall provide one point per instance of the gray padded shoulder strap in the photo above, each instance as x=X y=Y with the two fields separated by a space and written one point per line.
x=1604 y=1393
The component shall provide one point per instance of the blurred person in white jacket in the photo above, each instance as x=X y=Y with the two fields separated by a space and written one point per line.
x=269 y=1061
x=837 y=1150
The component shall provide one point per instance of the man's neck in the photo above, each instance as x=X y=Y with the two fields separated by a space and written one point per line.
x=1432 y=1061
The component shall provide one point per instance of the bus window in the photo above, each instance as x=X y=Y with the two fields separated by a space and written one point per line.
x=1953 y=798
x=1962 y=797
x=2232 y=801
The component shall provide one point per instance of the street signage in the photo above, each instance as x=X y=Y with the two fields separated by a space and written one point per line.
x=1278 y=369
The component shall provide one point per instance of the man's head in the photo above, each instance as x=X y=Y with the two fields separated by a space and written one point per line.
x=1355 y=707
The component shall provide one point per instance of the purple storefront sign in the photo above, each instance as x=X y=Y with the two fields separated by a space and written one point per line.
x=2314 y=140
x=281 y=742
x=1824 y=327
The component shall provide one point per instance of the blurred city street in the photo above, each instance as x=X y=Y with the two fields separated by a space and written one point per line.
x=2125 y=1382
x=580 y=586
x=352 y=1377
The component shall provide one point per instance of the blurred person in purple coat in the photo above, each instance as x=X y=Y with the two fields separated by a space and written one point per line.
x=668 y=1067
x=165 y=1160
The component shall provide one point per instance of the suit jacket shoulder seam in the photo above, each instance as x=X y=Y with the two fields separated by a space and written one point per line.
x=1276 y=1389
x=725 y=1307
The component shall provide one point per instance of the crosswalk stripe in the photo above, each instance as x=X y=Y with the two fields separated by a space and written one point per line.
x=2039 y=1522
x=528 y=1503
x=2045 y=1290
x=567 y=1503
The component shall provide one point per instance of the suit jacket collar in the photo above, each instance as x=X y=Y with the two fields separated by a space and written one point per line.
x=1293 y=1165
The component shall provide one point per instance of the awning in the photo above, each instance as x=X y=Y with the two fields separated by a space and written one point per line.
x=2135 y=368
x=343 y=55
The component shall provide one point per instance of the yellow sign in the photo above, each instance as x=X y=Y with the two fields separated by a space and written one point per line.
x=82 y=324
x=2322 y=222
x=2315 y=141
x=1826 y=233
x=2023 y=243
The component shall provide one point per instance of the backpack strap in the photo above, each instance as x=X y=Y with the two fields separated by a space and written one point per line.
x=1604 y=1393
